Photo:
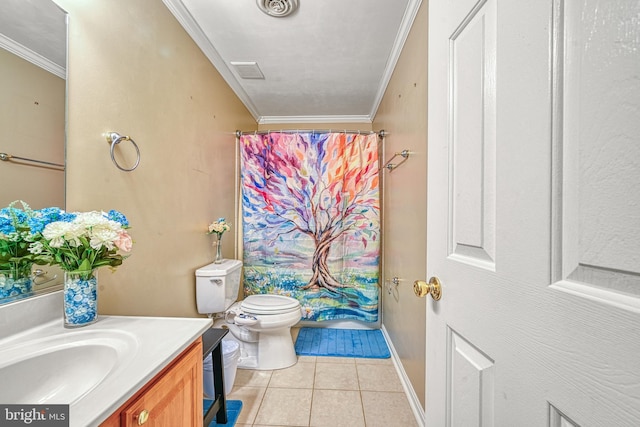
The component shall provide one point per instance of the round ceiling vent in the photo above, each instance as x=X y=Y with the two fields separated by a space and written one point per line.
x=278 y=8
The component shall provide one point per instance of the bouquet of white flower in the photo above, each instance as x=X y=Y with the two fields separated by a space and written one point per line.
x=84 y=241
x=219 y=227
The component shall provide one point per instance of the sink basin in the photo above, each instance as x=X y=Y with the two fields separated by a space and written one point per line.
x=63 y=367
x=95 y=369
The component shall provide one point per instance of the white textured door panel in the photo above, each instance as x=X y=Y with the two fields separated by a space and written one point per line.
x=472 y=138
x=533 y=224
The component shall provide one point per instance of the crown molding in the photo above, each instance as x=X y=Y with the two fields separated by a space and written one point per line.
x=267 y=120
x=31 y=56
x=176 y=7
x=405 y=27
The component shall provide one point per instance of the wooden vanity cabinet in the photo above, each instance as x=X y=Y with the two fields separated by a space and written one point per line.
x=172 y=398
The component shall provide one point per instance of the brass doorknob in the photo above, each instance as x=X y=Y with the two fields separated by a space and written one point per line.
x=434 y=288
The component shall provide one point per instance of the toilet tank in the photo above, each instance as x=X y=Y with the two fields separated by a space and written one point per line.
x=217 y=286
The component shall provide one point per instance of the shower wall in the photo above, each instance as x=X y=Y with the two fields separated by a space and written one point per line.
x=403 y=113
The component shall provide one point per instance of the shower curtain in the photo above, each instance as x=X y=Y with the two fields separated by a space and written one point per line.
x=311 y=221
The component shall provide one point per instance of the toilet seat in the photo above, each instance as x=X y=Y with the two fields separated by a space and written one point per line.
x=269 y=304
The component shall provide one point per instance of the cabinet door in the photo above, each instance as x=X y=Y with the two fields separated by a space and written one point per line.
x=175 y=399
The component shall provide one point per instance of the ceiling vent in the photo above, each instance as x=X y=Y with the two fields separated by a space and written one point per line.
x=278 y=8
x=247 y=70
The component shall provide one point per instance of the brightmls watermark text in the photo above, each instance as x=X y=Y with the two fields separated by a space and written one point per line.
x=34 y=415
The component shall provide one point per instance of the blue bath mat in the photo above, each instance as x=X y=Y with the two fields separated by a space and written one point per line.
x=366 y=343
x=233 y=411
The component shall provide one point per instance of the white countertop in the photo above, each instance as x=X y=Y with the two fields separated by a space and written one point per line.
x=153 y=342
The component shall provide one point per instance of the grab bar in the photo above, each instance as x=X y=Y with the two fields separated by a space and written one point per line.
x=391 y=166
x=7 y=157
x=39 y=272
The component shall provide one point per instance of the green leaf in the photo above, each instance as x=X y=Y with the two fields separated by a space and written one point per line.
x=85 y=265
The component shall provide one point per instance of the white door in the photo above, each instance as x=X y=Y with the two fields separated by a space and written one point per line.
x=534 y=213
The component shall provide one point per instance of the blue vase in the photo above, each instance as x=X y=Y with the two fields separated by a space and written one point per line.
x=80 y=299
x=16 y=281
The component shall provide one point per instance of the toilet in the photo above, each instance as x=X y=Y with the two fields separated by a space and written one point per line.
x=261 y=324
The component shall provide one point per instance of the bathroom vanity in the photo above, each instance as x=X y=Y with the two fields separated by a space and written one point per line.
x=171 y=398
x=118 y=371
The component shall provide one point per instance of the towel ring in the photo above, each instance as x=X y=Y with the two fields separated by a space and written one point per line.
x=115 y=138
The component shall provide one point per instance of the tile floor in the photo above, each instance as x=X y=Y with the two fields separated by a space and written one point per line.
x=324 y=392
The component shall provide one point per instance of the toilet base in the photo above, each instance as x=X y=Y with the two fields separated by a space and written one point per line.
x=274 y=348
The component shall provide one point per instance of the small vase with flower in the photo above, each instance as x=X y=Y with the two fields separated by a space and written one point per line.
x=218 y=228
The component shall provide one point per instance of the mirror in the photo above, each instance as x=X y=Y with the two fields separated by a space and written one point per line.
x=33 y=60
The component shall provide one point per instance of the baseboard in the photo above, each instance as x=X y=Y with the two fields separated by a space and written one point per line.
x=338 y=324
x=414 y=402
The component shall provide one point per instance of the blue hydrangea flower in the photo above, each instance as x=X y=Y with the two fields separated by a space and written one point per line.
x=48 y=215
x=114 y=215
x=6 y=225
x=10 y=218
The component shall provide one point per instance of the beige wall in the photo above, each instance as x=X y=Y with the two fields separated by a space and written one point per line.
x=134 y=70
x=403 y=113
x=32 y=107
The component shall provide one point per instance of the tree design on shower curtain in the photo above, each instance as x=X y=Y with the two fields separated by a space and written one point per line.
x=307 y=197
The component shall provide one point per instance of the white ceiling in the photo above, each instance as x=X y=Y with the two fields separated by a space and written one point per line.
x=328 y=62
x=35 y=30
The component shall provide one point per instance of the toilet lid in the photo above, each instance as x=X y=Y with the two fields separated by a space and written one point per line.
x=269 y=304
x=219 y=270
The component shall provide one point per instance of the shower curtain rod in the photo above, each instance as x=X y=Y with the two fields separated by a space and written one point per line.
x=381 y=133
